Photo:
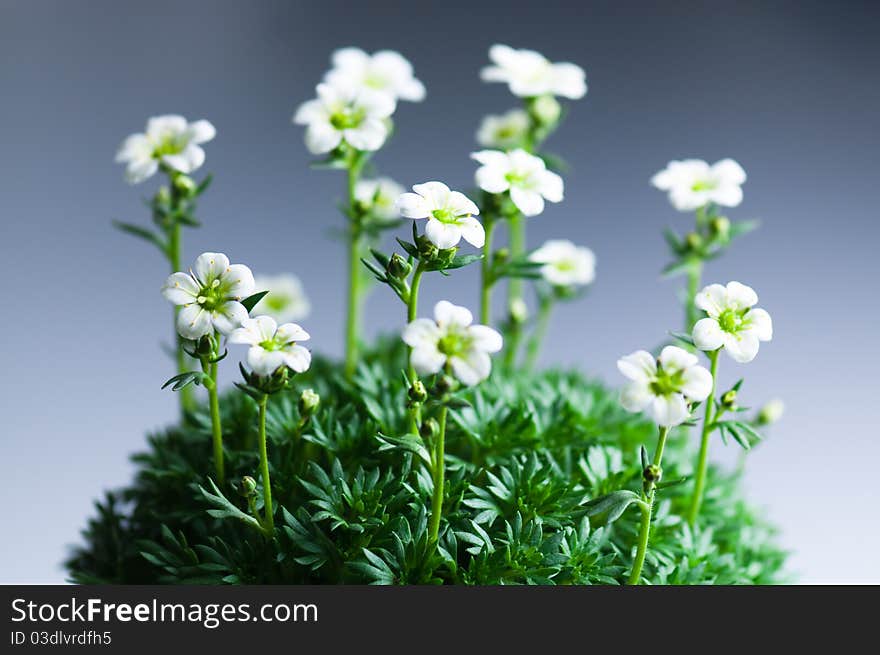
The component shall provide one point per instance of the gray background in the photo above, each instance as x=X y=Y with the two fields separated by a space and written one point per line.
x=789 y=89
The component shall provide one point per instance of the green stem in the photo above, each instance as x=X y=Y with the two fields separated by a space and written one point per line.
x=703 y=457
x=485 y=274
x=412 y=309
x=694 y=275
x=647 y=510
x=175 y=247
x=439 y=479
x=537 y=339
x=210 y=369
x=514 y=288
x=353 y=321
x=269 y=518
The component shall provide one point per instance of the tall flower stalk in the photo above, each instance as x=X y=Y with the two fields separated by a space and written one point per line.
x=650 y=475
x=353 y=320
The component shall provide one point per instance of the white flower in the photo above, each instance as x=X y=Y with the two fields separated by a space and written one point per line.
x=732 y=321
x=525 y=176
x=451 y=340
x=272 y=346
x=692 y=183
x=286 y=300
x=379 y=197
x=771 y=412
x=503 y=131
x=664 y=387
x=345 y=112
x=209 y=295
x=450 y=214
x=169 y=140
x=529 y=74
x=565 y=264
x=386 y=71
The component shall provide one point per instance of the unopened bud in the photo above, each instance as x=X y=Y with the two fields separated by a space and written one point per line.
x=185 y=185
x=205 y=346
x=720 y=226
x=427 y=250
x=308 y=402
x=771 y=412
x=546 y=110
x=446 y=384
x=417 y=392
x=729 y=399
x=694 y=241
x=652 y=473
x=163 y=195
x=429 y=429
x=519 y=311
x=398 y=267
x=501 y=255
x=248 y=486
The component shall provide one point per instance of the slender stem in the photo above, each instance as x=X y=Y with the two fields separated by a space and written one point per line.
x=439 y=479
x=269 y=518
x=703 y=457
x=537 y=340
x=412 y=309
x=485 y=272
x=694 y=275
x=353 y=322
x=647 y=510
x=514 y=289
x=210 y=368
x=175 y=247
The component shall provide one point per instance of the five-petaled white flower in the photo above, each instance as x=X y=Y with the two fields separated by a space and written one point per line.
x=503 y=131
x=525 y=176
x=664 y=387
x=386 y=71
x=450 y=340
x=209 y=295
x=693 y=183
x=450 y=214
x=529 y=74
x=169 y=140
x=379 y=197
x=732 y=321
x=272 y=346
x=565 y=264
x=345 y=112
x=286 y=300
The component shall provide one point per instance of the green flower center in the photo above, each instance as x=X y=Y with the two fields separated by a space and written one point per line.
x=212 y=296
x=169 y=145
x=445 y=215
x=666 y=383
x=347 y=118
x=730 y=321
x=277 y=302
x=453 y=344
x=703 y=185
x=515 y=179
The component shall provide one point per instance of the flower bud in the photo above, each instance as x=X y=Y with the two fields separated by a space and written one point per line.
x=308 y=403
x=445 y=257
x=248 y=486
x=427 y=250
x=205 y=346
x=519 y=311
x=652 y=473
x=163 y=195
x=398 y=267
x=720 y=226
x=546 y=109
x=694 y=241
x=771 y=412
x=429 y=429
x=445 y=385
x=417 y=392
x=185 y=185
x=728 y=400
x=501 y=255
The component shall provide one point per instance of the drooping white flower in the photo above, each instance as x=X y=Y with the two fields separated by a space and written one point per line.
x=379 y=197
x=385 y=71
x=344 y=112
x=451 y=339
x=565 y=264
x=693 y=183
x=450 y=214
x=732 y=321
x=529 y=74
x=664 y=387
x=169 y=140
x=272 y=346
x=209 y=295
x=525 y=176
x=503 y=131
x=286 y=300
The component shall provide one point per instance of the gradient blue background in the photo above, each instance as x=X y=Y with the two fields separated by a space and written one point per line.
x=791 y=90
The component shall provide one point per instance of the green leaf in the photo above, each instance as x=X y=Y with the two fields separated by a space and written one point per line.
x=252 y=300
x=203 y=186
x=410 y=248
x=739 y=228
x=677 y=268
x=683 y=337
x=185 y=379
x=612 y=505
x=141 y=233
x=225 y=509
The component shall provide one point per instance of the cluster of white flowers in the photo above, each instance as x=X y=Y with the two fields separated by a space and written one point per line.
x=168 y=140
x=565 y=264
x=664 y=387
x=529 y=74
x=286 y=299
x=356 y=99
x=272 y=346
x=450 y=214
x=693 y=183
x=379 y=197
x=524 y=176
x=209 y=295
x=451 y=340
x=732 y=322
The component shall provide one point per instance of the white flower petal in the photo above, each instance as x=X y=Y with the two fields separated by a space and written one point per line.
x=309 y=112
x=138 y=171
x=712 y=299
x=368 y=136
x=669 y=411
x=249 y=333
x=461 y=205
x=485 y=338
x=297 y=358
x=443 y=235
x=446 y=314
x=635 y=396
x=761 y=324
x=291 y=332
x=729 y=171
x=530 y=203
x=569 y=81
x=740 y=296
x=696 y=383
x=210 y=266
x=473 y=232
x=238 y=280
x=193 y=322
x=436 y=194
x=422 y=332
x=264 y=362
x=727 y=195
x=427 y=360
x=186 y=161
x=229 y=316
x=708 y=335
x=551 y=186
x=491 y=179
x=472 y=368
x=639 y=366
x=673 y=358
x=201 y=131
x=742 y=347
x=322 y=137
x=180 y=289
x=412 y=205
x=265 y=327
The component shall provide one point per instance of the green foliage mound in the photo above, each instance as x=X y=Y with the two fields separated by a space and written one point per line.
x=525 y=457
